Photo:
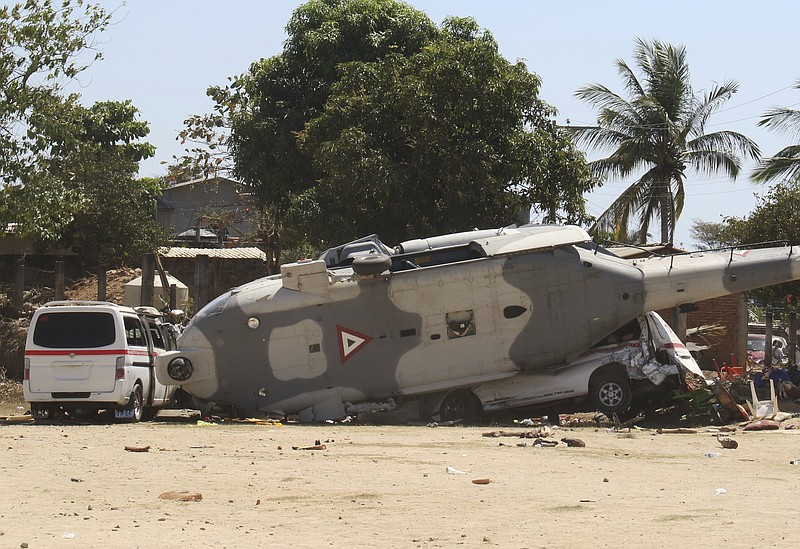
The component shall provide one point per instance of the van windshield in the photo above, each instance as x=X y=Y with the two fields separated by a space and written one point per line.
x=74 y=330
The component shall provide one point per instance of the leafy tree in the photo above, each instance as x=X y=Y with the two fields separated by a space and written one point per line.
x=68 y=172
x=98 y=162
x=435 y=142
x=660 y=129
x=42 y=46
x=776 y=217
x=786 y=163
x=711 y=235
x=374 y=118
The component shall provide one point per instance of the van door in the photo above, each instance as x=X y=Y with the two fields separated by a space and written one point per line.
x=73 y=353
x=161 y=342
x=664 y=339
x=139 y=352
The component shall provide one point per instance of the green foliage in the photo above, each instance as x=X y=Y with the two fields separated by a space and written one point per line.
x=660 y=130
x=786 y=162
x=375 y=120
x=775 y=218
x=113 y=219
x=711 y=235
x=67 y=171
x=41 y=47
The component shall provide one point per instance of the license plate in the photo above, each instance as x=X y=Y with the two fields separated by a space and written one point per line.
x=121 y=414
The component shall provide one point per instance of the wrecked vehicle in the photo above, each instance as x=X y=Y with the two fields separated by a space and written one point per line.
x=639 y=365
x=428 y=324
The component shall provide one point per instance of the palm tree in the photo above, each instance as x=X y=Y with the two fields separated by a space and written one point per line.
x=659 y=129
x=787 y=162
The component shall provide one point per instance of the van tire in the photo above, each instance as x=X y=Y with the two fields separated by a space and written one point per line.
x=136 y=403
x=611 y=393
x=41 y=411
x=460 y=405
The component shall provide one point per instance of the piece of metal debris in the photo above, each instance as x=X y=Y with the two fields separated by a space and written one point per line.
x=137 y=448
x=481 y=481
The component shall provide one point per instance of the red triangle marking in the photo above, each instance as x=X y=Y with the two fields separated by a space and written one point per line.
x=350 y=342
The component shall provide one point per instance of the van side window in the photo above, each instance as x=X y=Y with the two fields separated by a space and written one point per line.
x=134 y=332
x=158 y=339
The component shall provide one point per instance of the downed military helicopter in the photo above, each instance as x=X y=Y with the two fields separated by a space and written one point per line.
x=454 y=324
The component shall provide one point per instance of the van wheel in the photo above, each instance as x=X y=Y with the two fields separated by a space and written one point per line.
x=40 y=411
x=136 y=403
x=611 y=393
x=461 y=405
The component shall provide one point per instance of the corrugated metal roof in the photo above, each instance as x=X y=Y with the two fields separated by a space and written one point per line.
x=225 y=253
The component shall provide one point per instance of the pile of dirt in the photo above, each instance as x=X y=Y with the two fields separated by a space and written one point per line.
x=85 y=289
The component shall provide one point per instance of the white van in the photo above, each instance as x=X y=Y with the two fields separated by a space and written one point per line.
x=85 y=356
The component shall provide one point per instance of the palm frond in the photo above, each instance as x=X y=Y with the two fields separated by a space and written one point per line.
x=785 y=164
x=714 y=161
x=782 y=119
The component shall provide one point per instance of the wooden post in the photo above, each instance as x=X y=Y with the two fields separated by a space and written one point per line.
x=102 y=286
x=768 y=339
x=793 y=338
x=58 y=286
x=148 y=274
x=679 y=322
x=19 y=284
x=173 y=296
x=201 y=281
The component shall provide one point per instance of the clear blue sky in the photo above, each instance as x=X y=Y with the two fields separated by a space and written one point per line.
x=163 y=54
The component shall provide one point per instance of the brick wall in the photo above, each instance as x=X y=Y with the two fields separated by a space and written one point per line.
x=731 y=312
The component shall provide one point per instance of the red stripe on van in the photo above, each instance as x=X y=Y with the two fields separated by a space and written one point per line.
x=67 y=352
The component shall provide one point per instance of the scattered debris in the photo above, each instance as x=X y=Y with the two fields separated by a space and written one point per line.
x=728 y=443
x=713 y=455
x=763 y=425
x=181 y=496
x=545 y=443
x=679 y=431
x=183 y=414
x=720 y=491
x=453 y=471
x=573 y=442
x=137 y=448
x=316 y=446
x=481 y=481
x=74 y=479
x=543 y=431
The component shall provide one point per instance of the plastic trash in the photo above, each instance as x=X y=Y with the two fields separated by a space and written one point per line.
x=68 y=535
x=713 y=455
x=795 y=462
x=454 y=471
x=720 y=491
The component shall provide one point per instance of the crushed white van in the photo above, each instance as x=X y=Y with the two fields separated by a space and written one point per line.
x=642 y=361
x=82 y=357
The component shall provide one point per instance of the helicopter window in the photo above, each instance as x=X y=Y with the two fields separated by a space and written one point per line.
x=460 y=324
x=513 y=311
x=315 y=348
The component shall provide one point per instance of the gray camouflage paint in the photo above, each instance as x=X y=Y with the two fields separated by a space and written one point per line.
x=571 y=298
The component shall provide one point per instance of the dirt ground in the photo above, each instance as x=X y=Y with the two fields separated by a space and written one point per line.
x=76 y=485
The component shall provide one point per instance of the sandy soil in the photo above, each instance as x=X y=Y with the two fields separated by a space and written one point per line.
x=76 y=485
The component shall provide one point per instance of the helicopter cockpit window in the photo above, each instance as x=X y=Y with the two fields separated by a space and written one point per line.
x=460 y=324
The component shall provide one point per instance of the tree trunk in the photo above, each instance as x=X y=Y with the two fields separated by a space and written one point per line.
x=665 y=205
